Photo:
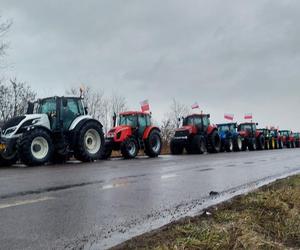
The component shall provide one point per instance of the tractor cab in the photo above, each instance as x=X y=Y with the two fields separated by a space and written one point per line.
x=196 y=123
x=266 y=132
x=227 y=127
x=61 y=111
x=247 y=128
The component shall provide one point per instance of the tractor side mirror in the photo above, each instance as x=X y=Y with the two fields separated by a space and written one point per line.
x=256 y=124
x=114 y=119
x=30 y=108
x=64 y=102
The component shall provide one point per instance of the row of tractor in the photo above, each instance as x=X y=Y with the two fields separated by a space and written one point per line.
x=197 y=136
x=56 y=129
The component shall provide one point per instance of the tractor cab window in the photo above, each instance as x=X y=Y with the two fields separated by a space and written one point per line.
x=129 y=120
x=205 y=121
x=70 y=109
x=224 y=128
x=142 y=124
x=148 y=120
x=247 y=127
x=47 y=106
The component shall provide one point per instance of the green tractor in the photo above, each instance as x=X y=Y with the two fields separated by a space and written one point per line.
x=270 y=140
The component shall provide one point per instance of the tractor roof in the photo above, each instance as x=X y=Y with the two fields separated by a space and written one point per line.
x=203 y=115
x=285 y=130
x=134 y=113
x=245 y=123
x=226 y=124
x=51 y=97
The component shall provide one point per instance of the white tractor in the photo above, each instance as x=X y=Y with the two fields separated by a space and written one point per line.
x=53 y=130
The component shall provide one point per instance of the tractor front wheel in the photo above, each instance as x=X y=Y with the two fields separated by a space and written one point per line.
x=8 y=160
x=229 y=145
x=252 y=144
x=260 y=142
x=129 y=148
x=237 y=144
x=198 y=144
x=176 y=148
x=35 y=147
x=90 y=142
x=153 y=144
x=106 y=152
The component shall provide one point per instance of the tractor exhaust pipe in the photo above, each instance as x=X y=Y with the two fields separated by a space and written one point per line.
x=114 y=119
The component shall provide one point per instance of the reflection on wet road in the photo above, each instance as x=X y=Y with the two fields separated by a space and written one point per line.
x=101 y=204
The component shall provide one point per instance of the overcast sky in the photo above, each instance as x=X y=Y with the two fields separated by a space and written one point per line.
x=229 y=56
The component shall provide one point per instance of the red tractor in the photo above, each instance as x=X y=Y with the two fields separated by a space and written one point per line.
x=251 y=137
x=196 y=136
x=133 y=132
x=288 y=138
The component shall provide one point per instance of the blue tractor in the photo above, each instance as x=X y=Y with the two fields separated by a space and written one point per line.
x=230 y=138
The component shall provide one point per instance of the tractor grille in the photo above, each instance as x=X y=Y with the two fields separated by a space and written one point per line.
x=181 y=133
x=12 y=122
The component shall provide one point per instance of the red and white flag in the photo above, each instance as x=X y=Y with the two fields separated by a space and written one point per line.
x=195 y=105
x=145 y=105
x=229 y=117
x=248 y=116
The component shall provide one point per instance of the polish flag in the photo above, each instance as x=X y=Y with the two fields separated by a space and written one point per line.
x=248 y=116
x=145 y=105
x=195 y=106
x=229 y=117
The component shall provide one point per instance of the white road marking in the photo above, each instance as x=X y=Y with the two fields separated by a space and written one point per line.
x=24 y=202
x=167 y=176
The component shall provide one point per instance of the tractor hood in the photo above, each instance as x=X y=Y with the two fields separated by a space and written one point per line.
x=119 y=132
x=19 y=124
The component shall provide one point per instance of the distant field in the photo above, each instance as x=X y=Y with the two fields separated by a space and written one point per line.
x=268 y=218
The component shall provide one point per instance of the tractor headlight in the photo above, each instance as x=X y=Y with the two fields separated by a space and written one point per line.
x=10 y=130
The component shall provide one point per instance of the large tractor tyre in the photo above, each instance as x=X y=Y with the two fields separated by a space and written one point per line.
x=293 y=144
x=129 y=148
x=229 y=145
x=106 y=152
x=89 y=142
x=252 y=144
x=176 y=148
x=198 y=144
x=288 y=144
x=237 y=144
x=35 y=147
x=214 y=142
x=244 y=145
x=275 y=144
x=280 y=144
x=272 y=145
x=260 y=142
x=8 y=160
x=267 y=145
x=153 y=144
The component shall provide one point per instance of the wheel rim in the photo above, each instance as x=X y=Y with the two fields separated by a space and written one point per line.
x=239 y=143
x=92 y=141
x=39 y=148
x=155 y=143
x=230 y=145
x=131 y=148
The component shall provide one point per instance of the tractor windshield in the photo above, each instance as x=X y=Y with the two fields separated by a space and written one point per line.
x=129 y=120
x=225 y=128
x=195 y=120
x=46 y=106
x=246 y=127
x=285 y=132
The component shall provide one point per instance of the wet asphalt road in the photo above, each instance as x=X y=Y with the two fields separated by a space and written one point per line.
x=98 y=205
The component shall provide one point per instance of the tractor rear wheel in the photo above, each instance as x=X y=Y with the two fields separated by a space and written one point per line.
x=272 y=143
x=229 y=145
x=267 y=145
x=89 y=142
x=293 y=144
x=252 y=144
x=260 y=142
x=288 y=144
x=280 y=144
x=129 y=148
x=35 y=147
x=198 y=144
x=176 y=148
x=8 y=160
x=153 y=144
x=214 y=142
x=237 y=144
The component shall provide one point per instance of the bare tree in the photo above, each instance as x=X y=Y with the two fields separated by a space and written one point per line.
x=177 y=110
x=118 y=103
x=14 y=99
x=167 y=130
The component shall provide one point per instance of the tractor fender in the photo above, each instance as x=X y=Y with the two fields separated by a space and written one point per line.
x=148 y=130
x=211 y=129
x=40 y=127
x=80 y=120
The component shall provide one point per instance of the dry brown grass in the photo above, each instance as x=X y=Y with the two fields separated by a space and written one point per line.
x=266 y=219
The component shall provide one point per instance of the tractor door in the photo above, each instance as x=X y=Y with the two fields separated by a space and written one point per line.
x=49 y=106
x=142 y=122
x=70 y=109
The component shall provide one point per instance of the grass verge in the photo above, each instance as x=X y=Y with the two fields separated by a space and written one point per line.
x=268 y=218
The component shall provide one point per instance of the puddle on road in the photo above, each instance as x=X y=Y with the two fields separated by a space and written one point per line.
x=205 y=169
x=231 y=166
